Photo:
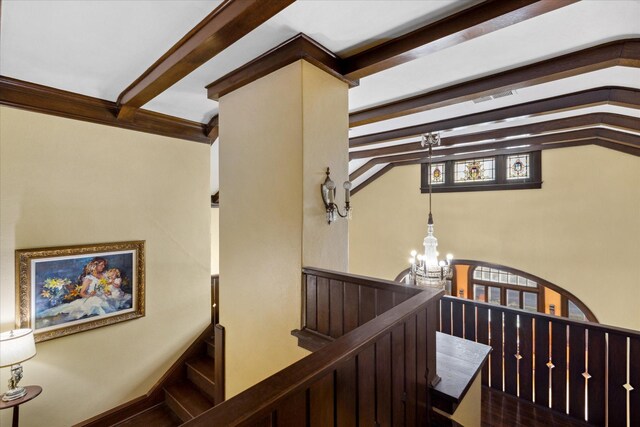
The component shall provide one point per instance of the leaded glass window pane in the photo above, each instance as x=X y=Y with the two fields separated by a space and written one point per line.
x=475 y=170
x=437 y=173
x=575 y=313
x=494 y=295
x=513 y=298
x=478 y=293
x=518 y=166
x=500 y=276
x=530 y=301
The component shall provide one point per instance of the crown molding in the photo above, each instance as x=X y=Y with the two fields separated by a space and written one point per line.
x=48 y=100
x=298 y=47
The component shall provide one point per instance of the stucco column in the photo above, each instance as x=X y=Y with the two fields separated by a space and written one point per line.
x=278 y=135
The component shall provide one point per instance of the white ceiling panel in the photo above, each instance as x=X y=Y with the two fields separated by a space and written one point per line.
x=564 y=30
x=614 y=76
x=95 y=48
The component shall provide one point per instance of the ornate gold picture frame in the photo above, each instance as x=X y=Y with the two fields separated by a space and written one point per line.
x=65 y=290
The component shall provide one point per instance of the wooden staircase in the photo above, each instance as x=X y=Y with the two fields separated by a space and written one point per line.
x=187 y=390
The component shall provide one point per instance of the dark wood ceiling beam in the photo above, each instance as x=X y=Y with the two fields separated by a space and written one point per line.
x=618 y=53
x=298 y=47
x=468 y=24
x=553 y=140
x=229 y=22
x=618 y=147
x=213 y=128
x=43 y=99
x=372 y=178
x=607 y=95
x=592 y=119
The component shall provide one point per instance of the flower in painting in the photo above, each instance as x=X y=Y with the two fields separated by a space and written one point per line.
x=54 y=289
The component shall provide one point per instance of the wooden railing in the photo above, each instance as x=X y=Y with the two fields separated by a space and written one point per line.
x=582 y=369
x=376 y=372
x=215 y=298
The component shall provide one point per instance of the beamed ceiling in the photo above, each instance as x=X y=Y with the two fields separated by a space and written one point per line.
x=492 y=76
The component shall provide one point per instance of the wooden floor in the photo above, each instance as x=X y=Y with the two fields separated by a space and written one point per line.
x=500 y=409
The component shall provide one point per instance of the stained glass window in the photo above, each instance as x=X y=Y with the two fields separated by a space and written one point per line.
x=575 y=313
x=518 y=166
x=437 y=173
x=475 y=170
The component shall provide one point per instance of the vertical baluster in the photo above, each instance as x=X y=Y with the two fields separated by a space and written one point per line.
x=483 y=338
x=293 y=411
x=410 y=363
x=321 y=401
x=312 y=306
x=367 y=304
x=576 y=371
x=617 y=394
x=559 y=369
x=351 y=306
x=458 y=323
x=495 y=327
x=346 y=385
x=336 y=310
x=398 y=375
x=525 y=368
x=469 y=321
x=323 y=305
x=383 y=380
x=366 y=387
x=384 y=301
x=542 y=359
x=511 y=353
x=597 y=353
x=445 y=315
x=421 y=367
x=634 y=380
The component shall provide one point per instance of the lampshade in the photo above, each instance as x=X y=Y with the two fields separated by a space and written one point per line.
x=16 y=346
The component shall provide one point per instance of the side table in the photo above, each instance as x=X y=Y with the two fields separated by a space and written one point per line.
x=32 y=392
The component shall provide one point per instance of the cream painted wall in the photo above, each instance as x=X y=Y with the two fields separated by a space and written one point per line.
x=66 y=182
x=215 y=240
x=272 y=159
x=581 y=231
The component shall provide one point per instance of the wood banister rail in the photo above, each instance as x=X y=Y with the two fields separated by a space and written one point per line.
x=215 y=299
x=585 y=370
x=353 y=367
x=362 y=280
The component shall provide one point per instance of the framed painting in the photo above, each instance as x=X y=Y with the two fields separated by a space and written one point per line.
x=65 y=290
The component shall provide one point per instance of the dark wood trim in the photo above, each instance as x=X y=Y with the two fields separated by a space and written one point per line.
x=539 y=280
x=618 y=147
x=468 y=24
x=567 y=123
x=298 y=47
x=213 y=129
x=155 y=396
x=215 y=200
x=47 y=100
x=228 y=23
x=628 y=97
x=618 y=53
x=388 y=285
x=259 y=402
x=372 y=178
x=219 y=367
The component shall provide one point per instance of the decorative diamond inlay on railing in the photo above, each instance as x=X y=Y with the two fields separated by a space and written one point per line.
x=550 y=365
x=518 y=356
x=628 y=387
x=586 y=375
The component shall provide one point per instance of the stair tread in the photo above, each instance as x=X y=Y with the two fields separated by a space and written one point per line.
x=204 y=365
x=189 y=397
x=158 y=416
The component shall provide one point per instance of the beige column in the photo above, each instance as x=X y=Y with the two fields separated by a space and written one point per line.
x=277 y=137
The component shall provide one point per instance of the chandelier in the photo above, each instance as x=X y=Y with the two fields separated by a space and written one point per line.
x=426 y=269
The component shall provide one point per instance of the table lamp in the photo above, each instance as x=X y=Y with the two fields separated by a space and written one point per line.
x=16 y=346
